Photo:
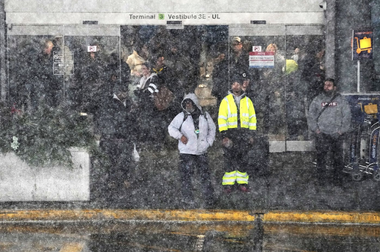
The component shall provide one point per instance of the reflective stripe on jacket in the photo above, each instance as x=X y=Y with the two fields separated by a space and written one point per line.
x=230 y=178
x=227 y=118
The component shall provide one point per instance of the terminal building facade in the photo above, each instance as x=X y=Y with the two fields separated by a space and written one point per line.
x=316 y=35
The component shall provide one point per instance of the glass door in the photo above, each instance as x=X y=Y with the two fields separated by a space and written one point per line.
x=54 y=65
x=93 y=70
x=35 y=72
x=283 y=88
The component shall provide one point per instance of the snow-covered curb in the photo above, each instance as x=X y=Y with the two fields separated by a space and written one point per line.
x=19 y=182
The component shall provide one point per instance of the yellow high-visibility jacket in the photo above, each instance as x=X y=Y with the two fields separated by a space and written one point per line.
x=228 y=118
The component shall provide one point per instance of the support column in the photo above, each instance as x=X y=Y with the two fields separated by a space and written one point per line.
x=375 y=17
x=3 y=67
x=330 y=14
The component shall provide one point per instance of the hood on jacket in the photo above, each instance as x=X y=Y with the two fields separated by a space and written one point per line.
x=192 y=97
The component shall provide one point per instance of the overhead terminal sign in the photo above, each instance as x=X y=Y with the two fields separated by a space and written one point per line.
x=197 y=18
x=160 y=18
x=362 y=44
x=261 y=60
x=175 y=16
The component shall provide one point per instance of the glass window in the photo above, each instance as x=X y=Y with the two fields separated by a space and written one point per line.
x=35 y=71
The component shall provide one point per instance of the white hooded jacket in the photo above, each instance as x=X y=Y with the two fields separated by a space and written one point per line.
x=196 y=144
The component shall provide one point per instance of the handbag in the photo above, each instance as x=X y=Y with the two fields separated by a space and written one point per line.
x=163 y=98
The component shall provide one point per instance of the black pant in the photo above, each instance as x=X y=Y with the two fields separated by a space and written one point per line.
x=329 y=151
x=119 y=154
x=236 y=157
x=187 y=165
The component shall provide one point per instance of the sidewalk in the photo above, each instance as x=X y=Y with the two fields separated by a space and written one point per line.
x=289 y=192
x=290 y=184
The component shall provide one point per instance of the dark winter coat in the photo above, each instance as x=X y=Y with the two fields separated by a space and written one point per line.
x=224 y=70
x=145 y=94
x=113 y=119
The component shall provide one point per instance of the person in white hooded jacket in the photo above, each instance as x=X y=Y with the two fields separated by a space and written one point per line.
x=195 y=131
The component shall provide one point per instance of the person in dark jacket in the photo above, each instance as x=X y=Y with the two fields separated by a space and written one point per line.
x=259 y=153
x=237 y=61
x=47 y=86
x=117 y=136
x=167 y=77
x=151 y=125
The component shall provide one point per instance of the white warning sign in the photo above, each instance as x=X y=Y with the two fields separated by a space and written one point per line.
x=261 y=60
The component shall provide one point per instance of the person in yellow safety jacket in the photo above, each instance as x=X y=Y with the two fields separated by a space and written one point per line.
x=237 y=125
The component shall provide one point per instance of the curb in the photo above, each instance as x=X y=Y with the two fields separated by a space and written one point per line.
x=196 y=215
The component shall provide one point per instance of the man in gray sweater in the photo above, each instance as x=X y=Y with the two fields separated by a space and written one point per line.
x=329 y=118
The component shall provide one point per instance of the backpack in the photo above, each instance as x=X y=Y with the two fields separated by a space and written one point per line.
x=163 y=98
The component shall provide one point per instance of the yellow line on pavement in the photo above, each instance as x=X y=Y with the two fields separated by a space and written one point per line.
x=72 y=247
x=308 y=217
x=324 y=217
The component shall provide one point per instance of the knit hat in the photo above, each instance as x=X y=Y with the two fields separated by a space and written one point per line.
x=236 y=77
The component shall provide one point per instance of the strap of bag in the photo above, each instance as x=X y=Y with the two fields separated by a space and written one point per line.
x=186 y=115
x=323 y=109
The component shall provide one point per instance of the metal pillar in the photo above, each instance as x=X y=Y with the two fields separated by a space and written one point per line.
x=2 y=53
x=330 y=38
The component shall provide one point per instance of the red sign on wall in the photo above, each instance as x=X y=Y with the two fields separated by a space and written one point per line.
x=91 y=49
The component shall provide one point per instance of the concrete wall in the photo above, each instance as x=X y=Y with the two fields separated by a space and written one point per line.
x=2 y=52
x=118 y=11
x=20 y=182
x=120 y=6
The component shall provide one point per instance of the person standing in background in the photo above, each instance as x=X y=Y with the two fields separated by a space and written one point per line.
x=329 y=119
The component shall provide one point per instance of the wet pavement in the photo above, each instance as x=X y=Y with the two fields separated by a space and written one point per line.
x=289 y=183
x=167 y=236
x=299 y=214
